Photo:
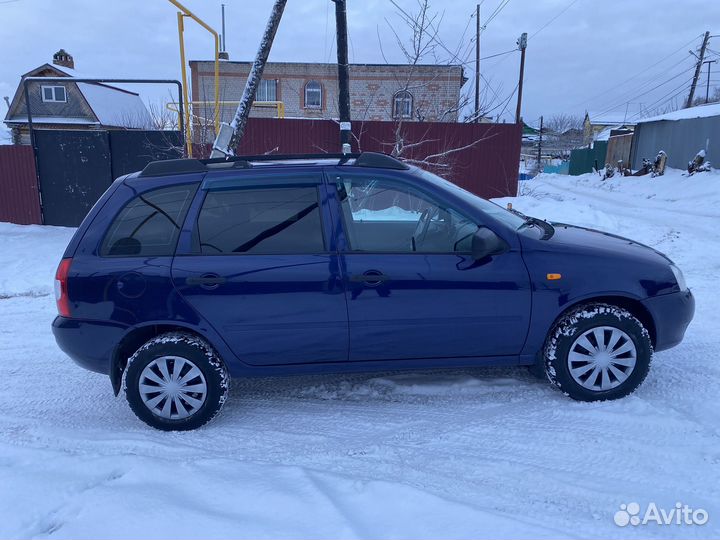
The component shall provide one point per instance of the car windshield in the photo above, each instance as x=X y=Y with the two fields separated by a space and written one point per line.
x=494 y=210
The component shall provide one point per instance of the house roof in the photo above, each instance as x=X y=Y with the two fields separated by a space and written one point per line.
x=112 y=106
x=115 y=107
x=612 y=118
x=51 y=120
x=699 y=111
x=605 y=134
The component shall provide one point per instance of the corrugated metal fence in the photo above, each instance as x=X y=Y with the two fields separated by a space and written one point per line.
x=680 y=139
x=584 y=160
x=19 y=200
x=482 y=158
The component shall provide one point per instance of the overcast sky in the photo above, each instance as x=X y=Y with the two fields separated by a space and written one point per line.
x=595 y=55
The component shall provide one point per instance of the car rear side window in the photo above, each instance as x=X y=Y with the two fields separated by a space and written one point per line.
x=149 y=224
x=282 y=220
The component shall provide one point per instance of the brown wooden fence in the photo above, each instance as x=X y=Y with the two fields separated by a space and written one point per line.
x=19 y=200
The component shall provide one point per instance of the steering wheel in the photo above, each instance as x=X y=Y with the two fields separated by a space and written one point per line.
x=423 y=225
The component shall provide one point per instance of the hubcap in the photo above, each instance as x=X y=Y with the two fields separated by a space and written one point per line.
x=602 y=358
x=172 y=387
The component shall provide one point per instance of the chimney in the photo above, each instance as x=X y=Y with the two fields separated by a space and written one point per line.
x=64 y=59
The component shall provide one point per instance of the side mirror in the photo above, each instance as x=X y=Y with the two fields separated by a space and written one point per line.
x=486 y=243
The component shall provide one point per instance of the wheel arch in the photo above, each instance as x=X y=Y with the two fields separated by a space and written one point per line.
x=139 y=335
x=632 y=305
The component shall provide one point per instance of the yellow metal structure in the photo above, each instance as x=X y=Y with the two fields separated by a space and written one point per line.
x=278 y=105
x=185 y=12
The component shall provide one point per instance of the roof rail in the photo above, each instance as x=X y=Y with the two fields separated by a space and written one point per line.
x=173 y=166
x=380 y=161
x=185 y=166
x=281 y=157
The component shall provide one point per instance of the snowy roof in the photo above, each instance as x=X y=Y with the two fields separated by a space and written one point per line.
x=699 y=111
x=605 y=134
x=614 y=118
x=50 y=120
x=115 y=107
x=112 y=105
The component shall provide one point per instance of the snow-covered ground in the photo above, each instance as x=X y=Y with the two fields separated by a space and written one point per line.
x=464 y=453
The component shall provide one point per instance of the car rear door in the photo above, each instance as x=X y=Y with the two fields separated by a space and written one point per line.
x=257 y=260
x=413 y=295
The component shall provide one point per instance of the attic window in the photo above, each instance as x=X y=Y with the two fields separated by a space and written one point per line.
x=53 y=94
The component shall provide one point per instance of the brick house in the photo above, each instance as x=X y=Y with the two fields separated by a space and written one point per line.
x=310 y=90
x=72 y=105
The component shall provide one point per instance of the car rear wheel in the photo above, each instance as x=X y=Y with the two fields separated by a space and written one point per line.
x=598 y=352
x=175 y=382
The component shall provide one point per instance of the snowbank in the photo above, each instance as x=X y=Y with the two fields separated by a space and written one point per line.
x=29 y=255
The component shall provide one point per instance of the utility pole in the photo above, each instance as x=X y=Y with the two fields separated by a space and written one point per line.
x=698 y=67
x=477 y=63
x=707 y=88
x=522 y=45
x=223 y=53
x=343 y=75
x=229 y=134
x=539 y=158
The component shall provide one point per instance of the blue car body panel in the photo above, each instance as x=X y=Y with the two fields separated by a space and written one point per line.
x=283 y=314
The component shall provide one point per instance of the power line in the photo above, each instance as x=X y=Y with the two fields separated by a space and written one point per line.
x=495 y=13
x=673 y=93
x=636 y=75
x=633 y=94
x=571 y=4
x=498 y=54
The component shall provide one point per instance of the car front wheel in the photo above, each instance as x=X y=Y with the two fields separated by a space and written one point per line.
x=175 y=382
x=598 y=352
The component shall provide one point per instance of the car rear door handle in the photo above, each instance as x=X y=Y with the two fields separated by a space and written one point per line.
x=206 y=281
x=371 y=278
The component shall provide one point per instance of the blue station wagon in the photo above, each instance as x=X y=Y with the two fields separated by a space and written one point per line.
x=194 y=271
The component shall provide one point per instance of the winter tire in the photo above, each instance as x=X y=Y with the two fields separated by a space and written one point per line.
x=598 y=352
x=175 y=382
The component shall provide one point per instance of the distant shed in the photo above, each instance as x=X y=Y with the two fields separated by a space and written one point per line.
x=681 y=134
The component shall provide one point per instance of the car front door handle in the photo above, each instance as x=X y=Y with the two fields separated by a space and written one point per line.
x=371 y=278
x=206 y=281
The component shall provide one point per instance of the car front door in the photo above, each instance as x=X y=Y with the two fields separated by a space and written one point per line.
x=413 y=288
x=258 y=262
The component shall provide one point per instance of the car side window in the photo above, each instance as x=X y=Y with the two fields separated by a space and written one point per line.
x=149 y=225
x=275 y=220
x=383 y=215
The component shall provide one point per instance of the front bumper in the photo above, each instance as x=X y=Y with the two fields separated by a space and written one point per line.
x=90 y=344
x=672 y=314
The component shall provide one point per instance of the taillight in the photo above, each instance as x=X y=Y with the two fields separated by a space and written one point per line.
x=61 y=287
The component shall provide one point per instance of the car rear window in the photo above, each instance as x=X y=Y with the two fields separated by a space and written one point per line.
x=278 y=220
x=149 y=224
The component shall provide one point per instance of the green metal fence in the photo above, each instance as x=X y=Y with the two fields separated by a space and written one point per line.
x=583 y=160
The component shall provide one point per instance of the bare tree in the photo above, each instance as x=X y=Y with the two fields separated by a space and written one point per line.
x=564 y=132
x=714 y=97
x=420 y=43
x=562 y=122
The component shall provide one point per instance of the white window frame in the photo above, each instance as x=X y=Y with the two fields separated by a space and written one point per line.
x=402 y=104
x=263 y=90
x=53 y=90
x=316 y=89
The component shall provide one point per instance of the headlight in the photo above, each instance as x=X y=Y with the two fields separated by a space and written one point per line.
x=679 y=277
